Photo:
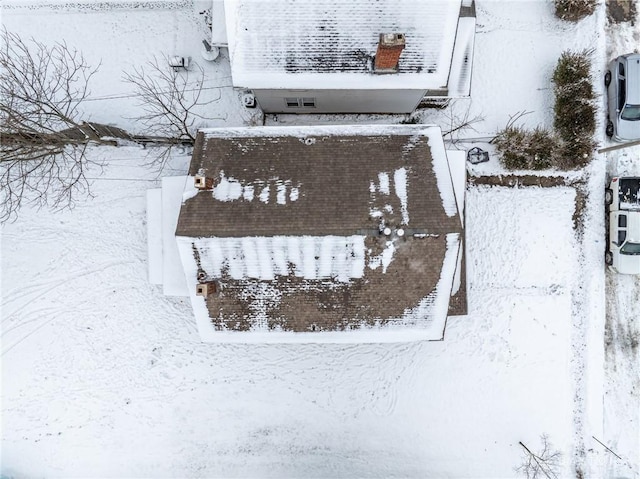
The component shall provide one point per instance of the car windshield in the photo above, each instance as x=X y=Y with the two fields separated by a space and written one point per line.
x=631 y=113
x=630 y=248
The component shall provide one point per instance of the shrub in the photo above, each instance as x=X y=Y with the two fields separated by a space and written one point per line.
x=574 y=10
x=574 y=108
x=511 y=143
x=521 y=149
x=576 y=153
x=572 y=66
x=544 y=148
x=574 y=121
x=574 y=118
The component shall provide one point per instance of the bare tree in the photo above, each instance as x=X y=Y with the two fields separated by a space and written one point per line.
x=459 y=120
x=172 y=102
x=453 y=116
x=42 y=140
x=543 y=464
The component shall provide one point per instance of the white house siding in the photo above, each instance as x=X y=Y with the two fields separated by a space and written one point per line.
x=341 y=101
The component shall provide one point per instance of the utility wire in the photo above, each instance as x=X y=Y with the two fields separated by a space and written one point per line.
x=133 y=95
x=120 y=179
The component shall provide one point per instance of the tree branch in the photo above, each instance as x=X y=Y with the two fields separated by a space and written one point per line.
x=41 y=89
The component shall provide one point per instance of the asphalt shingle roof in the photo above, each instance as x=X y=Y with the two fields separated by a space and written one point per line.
x=291 y=229
x=317 y=185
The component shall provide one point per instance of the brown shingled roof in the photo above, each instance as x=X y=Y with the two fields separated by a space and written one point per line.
x=315 y=185
x=333 y=176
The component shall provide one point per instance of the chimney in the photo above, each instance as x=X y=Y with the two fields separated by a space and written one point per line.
x=202 y=182
x=390 y=46
x=206 y=289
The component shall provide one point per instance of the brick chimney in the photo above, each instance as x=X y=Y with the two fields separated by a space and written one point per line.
x=206 y=289
x=203 y=182
x=390 y=46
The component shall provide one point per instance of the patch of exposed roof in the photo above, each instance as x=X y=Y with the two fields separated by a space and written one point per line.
x=323 y=228
x=320 y=181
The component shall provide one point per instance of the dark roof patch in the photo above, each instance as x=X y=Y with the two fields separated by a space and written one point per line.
x=323 y=188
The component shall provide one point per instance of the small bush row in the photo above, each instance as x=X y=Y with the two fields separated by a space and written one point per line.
x=522 y=149
x=571 y=144
x=574 y=107
x=540 y=149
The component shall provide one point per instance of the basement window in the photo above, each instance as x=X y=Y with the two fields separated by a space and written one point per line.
x=306 y=102
x=292 y=102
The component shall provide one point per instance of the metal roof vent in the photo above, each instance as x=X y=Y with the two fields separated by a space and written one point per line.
x=249 y=100
x=178 y=63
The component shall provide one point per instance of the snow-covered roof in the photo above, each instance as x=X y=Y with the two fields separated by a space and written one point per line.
x=293 y=228
x=329 y=44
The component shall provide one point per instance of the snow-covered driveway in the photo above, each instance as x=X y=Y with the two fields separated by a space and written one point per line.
x=622 y=336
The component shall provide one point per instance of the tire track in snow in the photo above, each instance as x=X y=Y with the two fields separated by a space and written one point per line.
x=622 y=388
x=30 y=291
x=33 y=331
x=45 y=234
x=326 y=373
x=46 y=316
x=38 y=313
x=42 y=317
x=382 y=368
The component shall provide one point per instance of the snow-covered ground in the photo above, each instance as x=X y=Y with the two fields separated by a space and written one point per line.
x=622 y=346
x=622 y=340
x=119 y=35
x=105 y=376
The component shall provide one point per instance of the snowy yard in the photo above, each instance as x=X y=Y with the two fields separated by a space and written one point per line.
x=105 y=376
x=103 y=373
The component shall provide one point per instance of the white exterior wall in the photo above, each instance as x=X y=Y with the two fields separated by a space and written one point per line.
x=342 y=101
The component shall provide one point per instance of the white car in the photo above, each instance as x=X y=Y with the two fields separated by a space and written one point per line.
x=622 y=80
x=623 y=235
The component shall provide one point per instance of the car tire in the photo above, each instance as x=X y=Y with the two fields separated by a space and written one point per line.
x=609 y=129
x=608 y=196
x=608 y=258
x=607 y=78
